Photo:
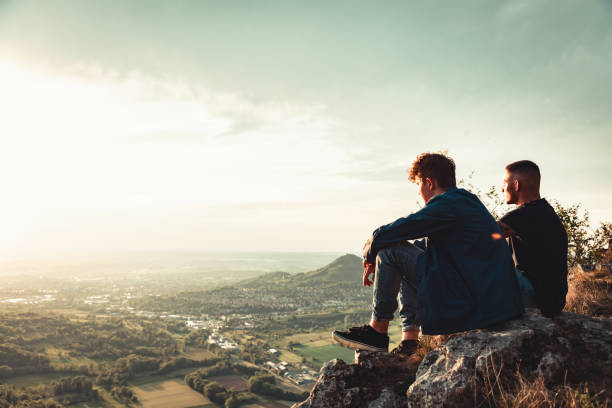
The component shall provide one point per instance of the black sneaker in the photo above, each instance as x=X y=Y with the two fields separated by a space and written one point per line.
x=362 y=338
x=406 y=348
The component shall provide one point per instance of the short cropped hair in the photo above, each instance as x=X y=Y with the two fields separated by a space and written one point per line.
x=527 y=171
x=436 y=166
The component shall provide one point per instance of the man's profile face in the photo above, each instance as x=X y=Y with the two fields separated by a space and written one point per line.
x=509 y=188
x=425 y=189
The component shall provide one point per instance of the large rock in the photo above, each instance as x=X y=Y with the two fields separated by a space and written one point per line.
x=534 y=344
x=378 y=380
x=571 y=347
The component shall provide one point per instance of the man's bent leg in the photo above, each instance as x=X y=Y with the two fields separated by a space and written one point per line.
x=408 y=292
x=408 y=310
x=387 y=280
x=396 y=272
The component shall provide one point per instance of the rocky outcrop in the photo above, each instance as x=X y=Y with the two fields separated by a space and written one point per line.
x=535 y=345
x=571 y=347
x=376 y=380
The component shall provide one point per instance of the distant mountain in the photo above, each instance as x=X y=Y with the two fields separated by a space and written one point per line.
x=336 y=285
x=346 y=269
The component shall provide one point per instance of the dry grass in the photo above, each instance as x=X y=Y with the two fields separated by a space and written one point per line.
x=515 y=391
x=428 y=343
x=589 y=293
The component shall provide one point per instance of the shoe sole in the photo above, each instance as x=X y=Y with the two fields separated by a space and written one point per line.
x=356 y=344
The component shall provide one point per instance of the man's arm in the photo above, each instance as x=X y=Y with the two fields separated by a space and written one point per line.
x=369 y=269
x=435 y=216
x=506 y=229
x=513 y=222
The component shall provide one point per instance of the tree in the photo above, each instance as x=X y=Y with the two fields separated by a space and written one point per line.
x=585 y=245
x=215 y=392
x=603 y=242
x=492 y=199
x=232 y=402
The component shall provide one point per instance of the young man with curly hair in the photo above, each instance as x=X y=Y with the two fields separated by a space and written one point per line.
x=460 y=277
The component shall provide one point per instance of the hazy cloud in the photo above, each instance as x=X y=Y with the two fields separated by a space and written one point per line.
x=305 y=110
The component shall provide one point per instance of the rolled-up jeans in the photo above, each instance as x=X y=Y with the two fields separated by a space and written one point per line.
x=396 y=273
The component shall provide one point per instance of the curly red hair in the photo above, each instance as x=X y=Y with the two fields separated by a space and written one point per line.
x=436 y=166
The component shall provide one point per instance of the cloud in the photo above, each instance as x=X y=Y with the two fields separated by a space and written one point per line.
x=154 y=108
x=96 y=141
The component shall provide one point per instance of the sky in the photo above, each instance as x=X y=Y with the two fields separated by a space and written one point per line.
x=285 y=125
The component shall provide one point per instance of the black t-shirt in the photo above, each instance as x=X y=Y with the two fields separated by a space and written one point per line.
x=540 y=251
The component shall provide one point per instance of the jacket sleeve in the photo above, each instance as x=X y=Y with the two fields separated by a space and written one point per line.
x=436 y=216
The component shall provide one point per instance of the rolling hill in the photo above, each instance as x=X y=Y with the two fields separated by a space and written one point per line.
x=345 y=269
x=338 y=281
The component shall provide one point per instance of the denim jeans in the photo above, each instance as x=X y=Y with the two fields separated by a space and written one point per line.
x=396 y=273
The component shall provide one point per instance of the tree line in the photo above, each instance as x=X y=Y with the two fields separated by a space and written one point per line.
x=57 y=394
x=259 y=382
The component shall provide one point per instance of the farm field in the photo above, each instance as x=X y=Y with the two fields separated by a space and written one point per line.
x=308 y=337
x=196 y=353
x=322 y=354
x=321 y=348
x=148 y=379
x=106 y=401
x=290 y=357
x=169 y=393
x=324 y=337
x=231 y=382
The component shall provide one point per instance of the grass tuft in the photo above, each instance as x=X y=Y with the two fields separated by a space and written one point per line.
x=589 y=293
x=499 y=390
x=428 y=343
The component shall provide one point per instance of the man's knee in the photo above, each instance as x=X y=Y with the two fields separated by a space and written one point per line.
x=403 y=252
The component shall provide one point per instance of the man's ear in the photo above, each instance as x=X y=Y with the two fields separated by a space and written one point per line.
x=517 y=184
x=431 y=183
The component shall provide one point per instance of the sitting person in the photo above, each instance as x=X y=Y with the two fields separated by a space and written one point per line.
x=537 y=238
x=460 y=278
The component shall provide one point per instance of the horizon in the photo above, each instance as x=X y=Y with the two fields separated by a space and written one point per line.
x=139 y=264
x=283 y=126
x=127 y=255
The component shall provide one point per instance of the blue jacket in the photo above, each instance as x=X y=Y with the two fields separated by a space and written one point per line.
x=466 y=274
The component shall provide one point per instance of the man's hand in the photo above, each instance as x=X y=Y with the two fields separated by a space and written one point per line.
x=369 y=270
x=367 y=246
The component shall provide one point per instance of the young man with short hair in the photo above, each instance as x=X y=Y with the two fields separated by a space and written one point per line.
x=460 y=278
x=537 y=237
